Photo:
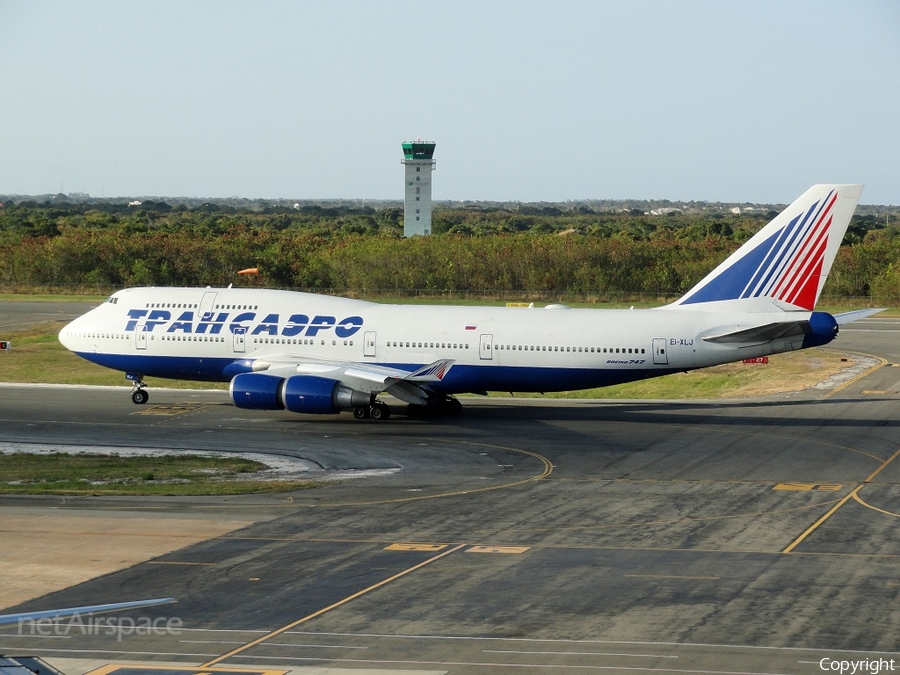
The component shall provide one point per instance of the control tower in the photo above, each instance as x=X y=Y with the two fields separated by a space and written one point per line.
x=418 y=158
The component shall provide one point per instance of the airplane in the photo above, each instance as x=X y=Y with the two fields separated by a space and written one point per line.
x=317 y=354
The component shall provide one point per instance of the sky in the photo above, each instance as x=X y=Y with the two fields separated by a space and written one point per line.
x=527 y=101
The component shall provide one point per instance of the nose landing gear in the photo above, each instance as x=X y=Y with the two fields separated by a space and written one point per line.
x=139 y=393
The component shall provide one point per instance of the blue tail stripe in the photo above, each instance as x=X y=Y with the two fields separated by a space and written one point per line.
x=775 y=254
x=731 y=283
x=757 y=272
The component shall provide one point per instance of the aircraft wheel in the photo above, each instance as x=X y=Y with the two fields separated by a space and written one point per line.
x=379 y=411
x=140 y=396
x=361 y=412
x=453 y=406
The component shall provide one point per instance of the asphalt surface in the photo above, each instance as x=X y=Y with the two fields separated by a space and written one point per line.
x=755 y=536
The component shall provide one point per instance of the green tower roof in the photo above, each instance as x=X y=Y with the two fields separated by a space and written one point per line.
x=418 y=149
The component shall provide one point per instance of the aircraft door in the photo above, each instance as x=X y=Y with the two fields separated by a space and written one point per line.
x=240 y=333
x=204 y=313
x=140 y=336
x=369 y=343
x=486 y=347
x=659 y=351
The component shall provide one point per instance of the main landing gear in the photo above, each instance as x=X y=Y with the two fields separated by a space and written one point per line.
x=139 y=393
x=436 y=407
x=377 y=411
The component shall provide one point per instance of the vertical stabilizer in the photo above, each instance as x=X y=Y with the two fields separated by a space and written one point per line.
x=789 y=259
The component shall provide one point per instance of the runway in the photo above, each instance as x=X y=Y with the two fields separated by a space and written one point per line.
x=754 y=536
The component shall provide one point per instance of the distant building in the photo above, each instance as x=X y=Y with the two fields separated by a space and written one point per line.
x=418 y=159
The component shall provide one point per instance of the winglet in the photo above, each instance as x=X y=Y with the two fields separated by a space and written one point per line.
x=433 y=372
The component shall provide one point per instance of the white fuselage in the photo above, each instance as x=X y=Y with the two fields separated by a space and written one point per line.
x=210 y=334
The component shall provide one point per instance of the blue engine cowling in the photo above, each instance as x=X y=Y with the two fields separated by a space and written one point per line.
x=823 y=328
x=310 y=394
x=301 y=394
x=320 y=395
x=256 y=391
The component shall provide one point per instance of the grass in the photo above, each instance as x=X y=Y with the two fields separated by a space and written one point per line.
x=97 y=474
x=49 y=297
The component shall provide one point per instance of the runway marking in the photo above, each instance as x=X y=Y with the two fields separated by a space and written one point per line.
x=698 y=519
x=335 y=605
x=865 y=373
x=525 y=651
x=873 y=391
x=829 y=487
x=131 y=669
x=843 y=501
x=548 y=469
x=671 y=576
x=540 y=667
x=497 y=549
x=416 y=547
x=875 y=508
x=167 y=410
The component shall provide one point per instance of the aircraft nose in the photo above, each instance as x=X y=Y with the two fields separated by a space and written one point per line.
x=64 y=334
x=69 y=332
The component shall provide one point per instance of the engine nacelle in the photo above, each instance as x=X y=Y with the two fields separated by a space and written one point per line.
x=301 y=394
x=320 y=395
x=255 y=391
x=823 y=329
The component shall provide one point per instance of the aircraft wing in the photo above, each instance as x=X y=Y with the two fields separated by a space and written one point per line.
x=366 y=377
x=6 y=619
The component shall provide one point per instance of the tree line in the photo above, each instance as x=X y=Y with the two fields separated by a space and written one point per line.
x=549 y=250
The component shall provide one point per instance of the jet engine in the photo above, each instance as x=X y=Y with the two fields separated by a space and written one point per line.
x=300 y=393
x=823 y=328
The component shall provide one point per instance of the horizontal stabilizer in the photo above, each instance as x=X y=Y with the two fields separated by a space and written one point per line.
x=856 y=315
x=760 y=334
